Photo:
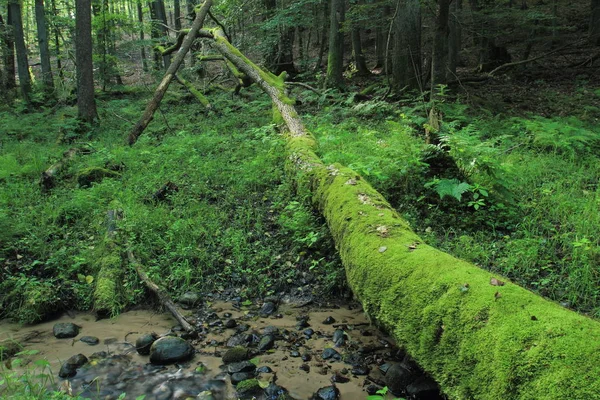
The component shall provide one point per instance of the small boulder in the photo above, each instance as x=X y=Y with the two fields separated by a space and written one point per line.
x=266 y=343
x=424 y=388
x=399 y=376
x=63 y=330
x=331 y=353
x=248 y=389
x=242 y=366
x=168 y=350
x=267 y=309
x=240 y=376
x=144 y=342
x=236 y=354
x=69 y=368
x=327 y=393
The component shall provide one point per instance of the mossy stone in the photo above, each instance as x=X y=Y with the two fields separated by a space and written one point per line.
x=236 y=354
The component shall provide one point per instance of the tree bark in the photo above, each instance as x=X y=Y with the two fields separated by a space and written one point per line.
x=57 y=43
x=21 y=49
x=406 y=63
x=359 y=56
x=335 y=56
x=86 y=104
x=8 y=54
x=177 y=14
x=455 y=38
x=439 y=56
x=169 y=75
x=595 y=21
x=140 y=16
x=461 y=326
x=40 y=17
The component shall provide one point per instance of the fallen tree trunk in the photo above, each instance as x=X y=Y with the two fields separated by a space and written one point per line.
x=107 y=293
x=480 y=338
x=48 y=178
x=195 y=92
x=162 y=296
x=137 y=130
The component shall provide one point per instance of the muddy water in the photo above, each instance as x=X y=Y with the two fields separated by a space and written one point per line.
x=126 y=371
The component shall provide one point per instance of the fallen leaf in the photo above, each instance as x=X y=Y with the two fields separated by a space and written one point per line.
x=382 y=230
x=413 y=246
x=496 y=282
x=382 y=249
x=19 y=256
x=351 y=182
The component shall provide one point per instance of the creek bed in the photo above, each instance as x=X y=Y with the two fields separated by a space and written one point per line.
x=331 y=350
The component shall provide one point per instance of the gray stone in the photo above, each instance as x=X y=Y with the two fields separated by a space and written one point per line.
x=190 y=299
x=266 y=343
x=69 y=368
x=91 y=340
x=143 y=343
x=399 y=376
x=236 y=354
x=241 y=376
x=168 y=350
x=327 y=393
x=63 y=330
x=331 y=353
x=242 y=366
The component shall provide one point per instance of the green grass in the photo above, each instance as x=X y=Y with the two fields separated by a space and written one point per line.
x=228 y=225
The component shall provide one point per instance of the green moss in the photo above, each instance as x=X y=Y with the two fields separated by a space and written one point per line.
x=479 y=341
x=87 y=176
x=107 y=294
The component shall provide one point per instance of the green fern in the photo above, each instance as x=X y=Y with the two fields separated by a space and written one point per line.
x=449 y=187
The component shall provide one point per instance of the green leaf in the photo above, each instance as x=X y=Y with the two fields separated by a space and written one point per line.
x=89 y=279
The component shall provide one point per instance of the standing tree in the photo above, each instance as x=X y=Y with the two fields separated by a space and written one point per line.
x=455 y=39
x=439 y=54
x=40 y=18
x=595 y=22
x=86 y=103
x=335 y=57
x=8 y=55
x=407 y=45
x=22 y=62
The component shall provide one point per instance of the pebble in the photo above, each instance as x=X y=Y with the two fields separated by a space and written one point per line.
x=230 y=323
x=329 y=320
x=91 y=340
x=331 y=353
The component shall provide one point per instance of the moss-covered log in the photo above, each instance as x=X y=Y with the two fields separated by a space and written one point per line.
x=479 y=337
x=195 y=92
x=48 y=178
x=107 y=293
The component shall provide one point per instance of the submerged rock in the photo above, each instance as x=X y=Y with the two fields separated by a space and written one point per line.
x=63 y=330
x=69 y=368
x=143 y=343
x=91 y=340
x=168 y=350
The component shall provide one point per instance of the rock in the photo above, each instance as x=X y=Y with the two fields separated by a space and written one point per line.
x=339 y=378
x=267 y=309
x=399 y=376
x=360 y=370
x=331 y=353
x=190 y=299
x=236 y=354
x=168 y=350
x=143 y=343
x=190 y=335
x=372 y=389
x=306 y=357
x=384 y=368
x=248 y=388
x=338 y=337
x=242 y=328
x=329 y=320
x=271 y=330
x=424 y=388
x=91 y=340
x=327 y=393
x=265 y=369
x=266 y=343
x=305 y=367
x=230 y=323
x=227 y=315
x=242 y=366
x=215 y=323
x=308 y=332
x=69 y=368
x=162 y=392
x=295 y=354
x=240 y=376
x=63 y=330
x=274 y=391
x=236 y=340
x=301 y=324
x=110 y=340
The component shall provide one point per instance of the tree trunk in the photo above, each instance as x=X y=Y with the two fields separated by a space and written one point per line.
x=57 y=43
x=595 y=22
x=155 y=33
x=455 y=38
x=359 y=57
x=406 y=63
x=461 y=326
x=40 y=17
x=86 y=104
x=335 y=56
x=323 y=38
x=439 y=56
x=177 y=14
x=140 y=15
x=169 y=75
x=21 y=48
x=8 y=54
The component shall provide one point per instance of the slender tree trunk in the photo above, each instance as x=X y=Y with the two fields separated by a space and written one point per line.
x=8 y=53
x=161 y=14
x=359 y=57
x=455 y=39
x=155 y=33
x=57 y=43
x=40 y=17
x=323 y=37
x=439 y=56
x=335 y=56
x=595 y=21
x=177 y=14
x=86 y=104
x=22 y=61
x=406 y=63
x=141 y=21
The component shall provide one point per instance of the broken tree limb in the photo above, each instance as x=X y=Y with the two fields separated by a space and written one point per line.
x=160 y=293
x=48 y=178
x=173 y=67
x=195 y=92
x=479 y=337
